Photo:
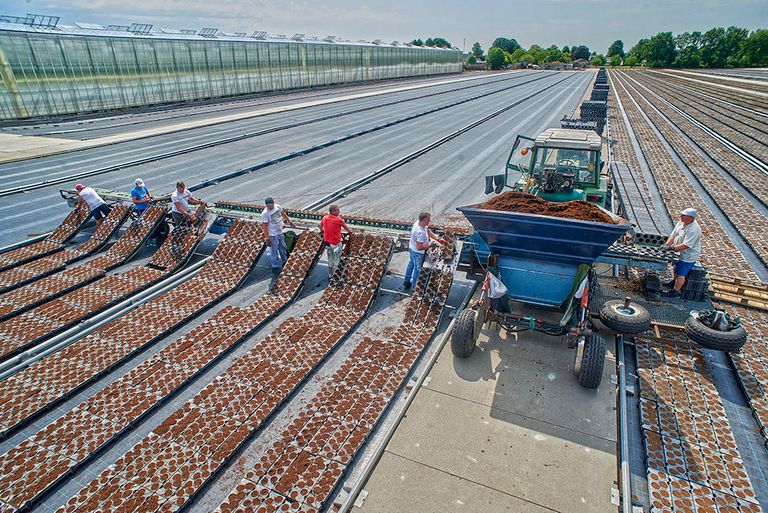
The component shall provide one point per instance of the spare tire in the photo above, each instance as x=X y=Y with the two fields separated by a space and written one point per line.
x=631 y=320
x=705 y=336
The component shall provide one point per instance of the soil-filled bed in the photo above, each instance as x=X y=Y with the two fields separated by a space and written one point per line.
x=524 y=203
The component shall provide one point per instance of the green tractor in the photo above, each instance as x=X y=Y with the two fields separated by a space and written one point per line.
x=559 y=165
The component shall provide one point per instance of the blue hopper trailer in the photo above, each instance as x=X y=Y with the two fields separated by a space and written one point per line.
x=543 y=262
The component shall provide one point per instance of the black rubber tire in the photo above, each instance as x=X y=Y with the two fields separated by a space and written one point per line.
x=729 y=341
x=592 y=362
x=638 y=321
x=463 y=337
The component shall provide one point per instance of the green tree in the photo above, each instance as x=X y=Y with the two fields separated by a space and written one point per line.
x=496 y=58
x=688 y=45
x=616 y=48
x=516 y=56
x=598 y=60
x=417 y=42
x=712 y=46
x=508 y=45
x=477 y=50
x=615 y=60
x=440 y=42
x=754 y=50
x=553 y=54
x=471 y=59
x=631 y=60
x=661 y=50
x=580 y=52
x=566 y=50
x=734 y=39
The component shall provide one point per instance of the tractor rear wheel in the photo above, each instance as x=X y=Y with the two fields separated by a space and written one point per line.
x=464 y=334
x=590 y=358
x=630 y=319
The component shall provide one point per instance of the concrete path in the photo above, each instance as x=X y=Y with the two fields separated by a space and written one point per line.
x=506 y=430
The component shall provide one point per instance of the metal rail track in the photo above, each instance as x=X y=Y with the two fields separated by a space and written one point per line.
x=730 y=230
x=693 y=99
x=750 y=129
x=745 y=155
x=248 y=135
x=751 y=187
x=754 y=106
x=729 y=210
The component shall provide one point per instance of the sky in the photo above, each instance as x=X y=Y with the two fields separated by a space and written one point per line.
x=595 y=23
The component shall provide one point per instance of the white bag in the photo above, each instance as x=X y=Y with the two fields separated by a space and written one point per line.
x=496 y=288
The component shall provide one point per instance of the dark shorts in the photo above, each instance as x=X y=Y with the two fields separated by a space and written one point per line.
x=100 y=212
x=683 y=268
x=178 y=219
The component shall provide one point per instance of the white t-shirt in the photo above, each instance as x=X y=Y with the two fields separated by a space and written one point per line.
x=274 y=219
x=690 y=235
x=91 y=197
x=418 y=234
x=182 y=198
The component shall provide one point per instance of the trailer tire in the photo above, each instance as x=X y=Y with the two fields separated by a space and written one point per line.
x=631 y=321
x=729 y=341
x=464 y=336
x=590 y=359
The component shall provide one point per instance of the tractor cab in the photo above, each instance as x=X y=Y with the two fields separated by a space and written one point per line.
x=559 y=165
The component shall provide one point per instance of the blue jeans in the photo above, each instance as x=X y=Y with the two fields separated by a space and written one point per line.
x=414 y=265
x=278 y=253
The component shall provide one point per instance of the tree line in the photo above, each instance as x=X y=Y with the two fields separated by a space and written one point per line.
x=716 y=48
x=507 y=51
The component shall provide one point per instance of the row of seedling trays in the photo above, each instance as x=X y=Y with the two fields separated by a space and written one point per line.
x=169 y=466
x=63 y=311
x=77 y=435
x=688 y=440
x=303 y=468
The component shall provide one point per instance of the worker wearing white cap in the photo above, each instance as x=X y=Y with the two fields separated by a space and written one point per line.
x=685 y=238
x=141 y=196
x=98 y=207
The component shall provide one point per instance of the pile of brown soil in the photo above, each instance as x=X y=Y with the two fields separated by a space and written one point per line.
x=513 y=201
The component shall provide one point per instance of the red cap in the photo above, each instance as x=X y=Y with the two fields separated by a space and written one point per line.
x=79 y=186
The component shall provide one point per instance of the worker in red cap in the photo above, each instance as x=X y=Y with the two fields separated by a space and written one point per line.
x=686 y=239
x=87 y=196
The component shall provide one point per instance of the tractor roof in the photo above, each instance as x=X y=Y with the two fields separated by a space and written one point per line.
x=567 y=138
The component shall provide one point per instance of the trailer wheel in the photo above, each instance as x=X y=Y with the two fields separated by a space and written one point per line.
x=590 y=358
x=729 y=341
x=630 y=319
x=464 y=334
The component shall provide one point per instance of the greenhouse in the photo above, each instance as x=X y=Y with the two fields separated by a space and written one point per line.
x=49 y=69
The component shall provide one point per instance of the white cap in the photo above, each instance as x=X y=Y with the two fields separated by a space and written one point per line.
x=690 y=212
x=139 y=182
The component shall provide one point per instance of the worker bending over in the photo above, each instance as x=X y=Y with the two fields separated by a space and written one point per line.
x=420 y=242
x=181 y=198
x=686 y=239
x=98 y=207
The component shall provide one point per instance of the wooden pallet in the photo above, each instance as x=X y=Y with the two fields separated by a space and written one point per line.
x=739 y=292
